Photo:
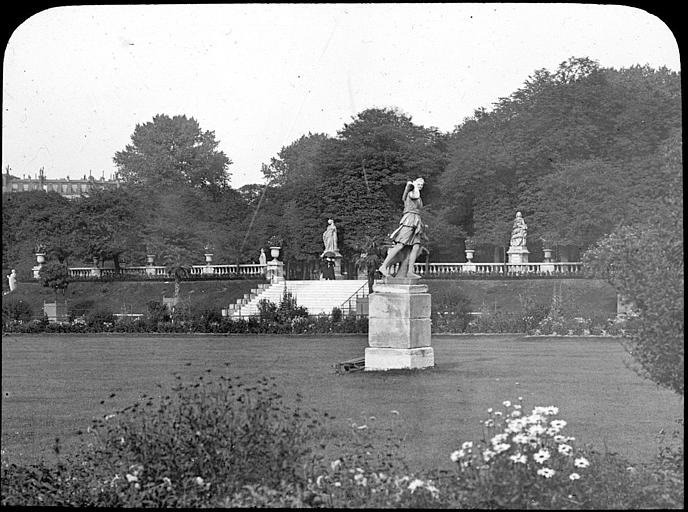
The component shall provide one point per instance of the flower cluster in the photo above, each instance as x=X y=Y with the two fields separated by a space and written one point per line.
x=535 y=444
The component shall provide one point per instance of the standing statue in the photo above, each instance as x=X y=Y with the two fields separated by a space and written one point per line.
x=409 y=234
x=519 y=231
x=12 y=280
x=262 y=259
x=330 y=238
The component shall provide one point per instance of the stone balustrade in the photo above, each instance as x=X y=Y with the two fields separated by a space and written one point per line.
x=439 y=269
x=254 y=271
x=247 y=271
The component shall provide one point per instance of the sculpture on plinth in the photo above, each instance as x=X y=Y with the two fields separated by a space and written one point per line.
x=331 y=257
x=409 y=235
x=329 y=237
x=399 y=325
x=519 y=231
x=518 y=252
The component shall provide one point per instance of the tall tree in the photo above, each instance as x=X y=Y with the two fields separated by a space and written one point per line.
x=173 y=151
x=109 y=225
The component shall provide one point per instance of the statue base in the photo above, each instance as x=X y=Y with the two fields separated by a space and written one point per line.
x=399 y=327
x=518 y=254
x=275 y=271
x=383 y=359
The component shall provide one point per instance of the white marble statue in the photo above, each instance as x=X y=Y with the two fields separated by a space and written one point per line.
x=409 y=235
x=262 y=259
x=519 y=231
x=12 y=280
x=330 y=238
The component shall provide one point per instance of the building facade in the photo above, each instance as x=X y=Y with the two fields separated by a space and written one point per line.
x=66 y=187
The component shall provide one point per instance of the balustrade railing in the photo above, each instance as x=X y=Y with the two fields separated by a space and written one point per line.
x=247 y=271
x=440 y=269
x=255 y=271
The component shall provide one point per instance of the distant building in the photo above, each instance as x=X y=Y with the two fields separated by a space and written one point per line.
x=66 y=187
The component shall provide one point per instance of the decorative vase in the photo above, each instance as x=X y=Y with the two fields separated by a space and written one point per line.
x=274 y=252
x=208 y=258
x=469 y=255
x=150 y=258
x=548 y=255
x=40 y=257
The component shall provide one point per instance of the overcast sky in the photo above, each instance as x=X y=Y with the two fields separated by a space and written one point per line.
x=78 y=79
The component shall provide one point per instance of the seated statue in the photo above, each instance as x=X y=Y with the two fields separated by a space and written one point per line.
x=519 y=232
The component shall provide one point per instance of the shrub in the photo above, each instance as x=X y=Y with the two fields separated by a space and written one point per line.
x=288 y=309
x=450 y=311
x=16 y=310
x=193 y=448
x=645 y=264
x=157 y=312
x=336 y=315
x=267 y=310
x=100 y=318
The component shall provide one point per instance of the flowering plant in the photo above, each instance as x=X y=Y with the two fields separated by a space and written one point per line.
x=39 y=248
x=469 y=243
x=275 y=241
x=524 y=459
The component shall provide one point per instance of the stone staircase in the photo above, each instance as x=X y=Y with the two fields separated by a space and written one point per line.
x=316 y=296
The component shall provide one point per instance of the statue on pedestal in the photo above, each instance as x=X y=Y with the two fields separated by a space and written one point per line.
x=262 y=259
x=410 y=234
x=330 y=239
x=519 y=231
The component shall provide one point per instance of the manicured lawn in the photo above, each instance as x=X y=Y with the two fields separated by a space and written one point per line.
x=53 y=385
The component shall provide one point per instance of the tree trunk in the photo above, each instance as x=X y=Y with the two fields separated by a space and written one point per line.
x=176 y=288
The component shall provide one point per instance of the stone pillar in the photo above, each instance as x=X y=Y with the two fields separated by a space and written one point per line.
x=56 y=311
x=40 y=259
x=275 y=268
x=399 y=326
x=547 y=265
x=337 y=266
x=469 y=266
x=518 y=254
x=208 y=269
x=150 y=259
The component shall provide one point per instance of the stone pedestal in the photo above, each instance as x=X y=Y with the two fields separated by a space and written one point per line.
x=518 y=255
x=547 y=264
x=338 y=266
x=399 y=326
x=56 y=312
x=275 y=271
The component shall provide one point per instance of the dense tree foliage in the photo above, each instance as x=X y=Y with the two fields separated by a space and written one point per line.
x=578 y=150
x=575 y=151
x=644 y=262
x=173 y=152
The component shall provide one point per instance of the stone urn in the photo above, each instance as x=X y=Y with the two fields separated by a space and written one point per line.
x=150 y=258
x=208 y=257
x=469 y=255
x=274 y=252
x=548 y=254
x=40 y=257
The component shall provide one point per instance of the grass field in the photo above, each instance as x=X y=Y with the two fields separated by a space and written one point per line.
x=53 y=385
